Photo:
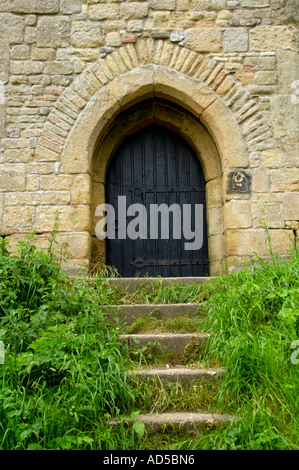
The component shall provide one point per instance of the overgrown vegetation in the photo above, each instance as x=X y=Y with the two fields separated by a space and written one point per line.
x=253 y=316
x=64 y=376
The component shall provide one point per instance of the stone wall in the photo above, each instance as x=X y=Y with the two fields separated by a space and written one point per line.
x=234 y=65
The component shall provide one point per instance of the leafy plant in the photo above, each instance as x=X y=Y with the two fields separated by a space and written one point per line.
x=63 y=364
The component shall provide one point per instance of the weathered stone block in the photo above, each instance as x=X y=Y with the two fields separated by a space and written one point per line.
x=113 y=39
x=183 y=5
x=214 y=221
x=5 y=6
x=284 y=116
x=12 y=29
x=56 y=183
x=208 y=4
x=32 y=183
x=58 y=68
x=12 y=177
x=35 y=6
x=285 y=180
x=133 y=10
x=220 y=123
x=255 y=3
x=162 y=4
x=26 y=67
x=237 y=214
x=204 y=40
x=38 y=198
x=135 y=26
x=215 y=245
x=17 y=218
x=235 y=40
x=291 y=148
x=81 y=190
x=20 y=52
x=265 y=77
x=287 y=70
x=281 y=241
x=82 y=218
x=246 y=78
x=45 y=218
x=227 y=84
x=18 y=155
x=245 y=242
x=258 y=62
x=40 y=168
x=272 y=38
x=214 y=193
x=79 y=243
x=291 y=206
x=272 y=158
x=4 y=65
x=260 y=180
x=30 y=35
x=70 y=7
x=104 y=12
x=31 y=20
x=40 y=53
x=271 y=214
x=53 y=32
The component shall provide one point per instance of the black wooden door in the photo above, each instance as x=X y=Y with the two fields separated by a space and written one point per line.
x=156 y=166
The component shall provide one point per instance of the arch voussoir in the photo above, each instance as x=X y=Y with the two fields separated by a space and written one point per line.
x=211 y=77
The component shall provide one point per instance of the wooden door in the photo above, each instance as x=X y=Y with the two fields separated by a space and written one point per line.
x=156 y=166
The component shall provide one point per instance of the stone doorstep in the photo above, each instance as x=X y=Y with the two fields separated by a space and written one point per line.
x=185 y=376
x=128 y=314
x=189 y=421
x=130 y=284
x=180 y=346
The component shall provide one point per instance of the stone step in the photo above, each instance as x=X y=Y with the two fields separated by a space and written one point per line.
x=130 y=284
x=179 y=348
x=128 y=314
x=188 y=421
x=183 y=375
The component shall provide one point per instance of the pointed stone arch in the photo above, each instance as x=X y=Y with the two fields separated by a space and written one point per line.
x=233 y=123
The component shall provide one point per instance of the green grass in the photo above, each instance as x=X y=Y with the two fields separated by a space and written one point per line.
x=65 y=376
x=145 y=293
x=254 y=319
x=64 y=371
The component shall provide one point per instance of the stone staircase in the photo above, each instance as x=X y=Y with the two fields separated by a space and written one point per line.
x=177 y=349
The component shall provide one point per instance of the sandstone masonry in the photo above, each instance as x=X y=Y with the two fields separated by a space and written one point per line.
x=69 y=67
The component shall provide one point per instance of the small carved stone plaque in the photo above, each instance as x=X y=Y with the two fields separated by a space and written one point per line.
x=239 y=181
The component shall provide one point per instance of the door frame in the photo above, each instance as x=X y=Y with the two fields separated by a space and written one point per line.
x=177 y=119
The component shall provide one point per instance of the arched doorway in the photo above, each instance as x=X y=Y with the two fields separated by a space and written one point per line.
x=191 y=133
x=156 y=187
